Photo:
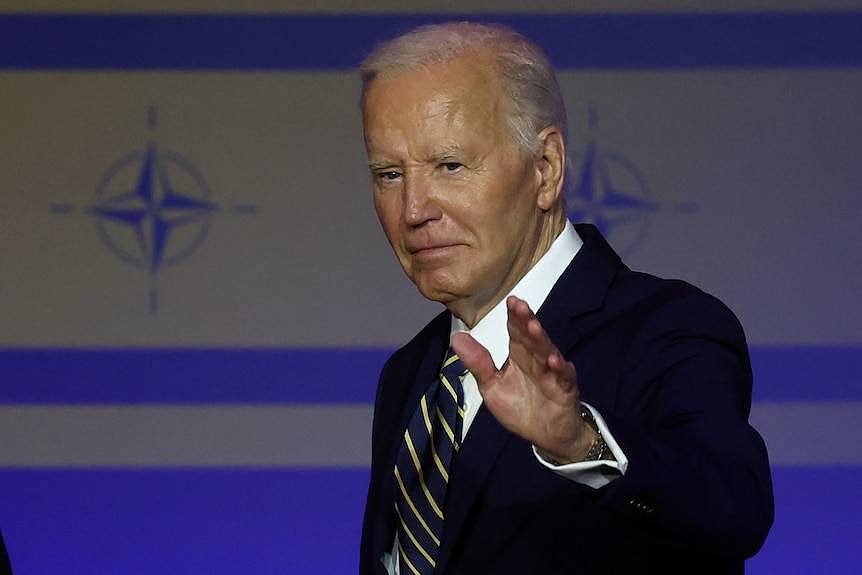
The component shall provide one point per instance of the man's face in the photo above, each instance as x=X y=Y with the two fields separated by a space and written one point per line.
x=456 y=197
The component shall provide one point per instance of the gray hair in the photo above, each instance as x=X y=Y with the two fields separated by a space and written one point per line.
x=525 y=75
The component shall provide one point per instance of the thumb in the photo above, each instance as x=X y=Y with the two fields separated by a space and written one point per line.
x=474 y=356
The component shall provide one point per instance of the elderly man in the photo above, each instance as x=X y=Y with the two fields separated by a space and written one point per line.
x=564 y=414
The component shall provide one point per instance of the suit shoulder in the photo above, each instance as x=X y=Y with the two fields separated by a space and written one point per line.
x=675 y=305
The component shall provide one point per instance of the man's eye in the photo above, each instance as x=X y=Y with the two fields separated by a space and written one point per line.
x=452 y=166
x=389 y=176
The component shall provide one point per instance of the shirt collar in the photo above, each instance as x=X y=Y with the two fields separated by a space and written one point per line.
x=533 y=288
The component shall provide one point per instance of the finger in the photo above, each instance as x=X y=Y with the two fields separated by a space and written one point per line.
x=533 y=351
x=527 y=324
x=474 y=356
x=565 y=371
x=528 y=340
x=519 y=313
x=518 y=321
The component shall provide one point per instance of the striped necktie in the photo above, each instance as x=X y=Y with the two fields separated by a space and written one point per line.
x=422 y=470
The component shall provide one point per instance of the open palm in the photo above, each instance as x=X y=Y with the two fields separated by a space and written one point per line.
x=535 y=394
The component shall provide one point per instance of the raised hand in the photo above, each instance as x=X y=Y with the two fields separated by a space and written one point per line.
x=535 y=395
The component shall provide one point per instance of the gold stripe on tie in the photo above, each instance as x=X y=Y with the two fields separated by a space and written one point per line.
x=450 y=361
x=447 y=429
x=413 y=507
x=413 y=539
x=418 y=466
x=448 y=385
x=449 y=388
x=440 y=467
x=407 y=559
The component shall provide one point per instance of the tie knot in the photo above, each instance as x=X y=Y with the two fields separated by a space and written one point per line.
x=452 y=366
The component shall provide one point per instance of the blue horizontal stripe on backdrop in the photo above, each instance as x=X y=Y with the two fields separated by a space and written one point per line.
x=308 y=41
x=308 y=521
x=64 y=376
x=143 y=521
x=155 y=375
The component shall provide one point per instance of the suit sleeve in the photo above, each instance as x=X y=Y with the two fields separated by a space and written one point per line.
x=698 y=476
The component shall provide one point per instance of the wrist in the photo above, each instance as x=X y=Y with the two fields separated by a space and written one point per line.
x=588 y=445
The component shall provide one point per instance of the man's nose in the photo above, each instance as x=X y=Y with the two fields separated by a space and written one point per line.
x=420 y=205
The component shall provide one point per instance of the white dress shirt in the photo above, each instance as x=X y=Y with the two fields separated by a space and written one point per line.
x=492 y=333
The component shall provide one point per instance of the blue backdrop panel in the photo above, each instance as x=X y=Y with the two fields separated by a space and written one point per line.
x=816 y=526
x=271 y=42
x=149 y=375
x=183 y=521
x=146 y=375
x=263 y=521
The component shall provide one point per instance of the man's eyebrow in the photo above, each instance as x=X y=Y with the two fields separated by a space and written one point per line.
x=374 y=166
x=447 y=153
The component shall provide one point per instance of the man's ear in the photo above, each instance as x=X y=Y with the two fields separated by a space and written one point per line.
x=552 y=167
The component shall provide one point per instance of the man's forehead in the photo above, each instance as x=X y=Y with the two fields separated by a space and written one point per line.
x=474 y=61
x=439 y=130
x=468 y=76
x=452 y=93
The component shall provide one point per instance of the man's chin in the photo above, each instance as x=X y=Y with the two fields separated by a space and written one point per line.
x=434 y=289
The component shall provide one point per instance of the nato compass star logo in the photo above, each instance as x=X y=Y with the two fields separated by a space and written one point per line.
x=153 y=210
x=610 y=192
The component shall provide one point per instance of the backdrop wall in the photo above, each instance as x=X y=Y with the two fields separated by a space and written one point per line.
x=196 y=298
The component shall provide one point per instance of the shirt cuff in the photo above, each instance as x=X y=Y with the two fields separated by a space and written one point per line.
x=595 y=474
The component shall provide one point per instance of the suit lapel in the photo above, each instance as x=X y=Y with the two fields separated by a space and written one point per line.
x=480 y=450
x=573 y=309
x=580 y=291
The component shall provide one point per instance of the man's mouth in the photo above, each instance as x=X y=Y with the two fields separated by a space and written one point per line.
x=432 y=250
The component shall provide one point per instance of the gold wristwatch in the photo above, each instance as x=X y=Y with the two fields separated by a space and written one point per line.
x=598 y=449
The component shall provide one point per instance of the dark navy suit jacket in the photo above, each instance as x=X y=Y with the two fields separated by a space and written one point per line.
x=5 y=567
x=667 y=366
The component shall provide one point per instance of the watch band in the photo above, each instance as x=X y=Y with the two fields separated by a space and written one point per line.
x=598 y=448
